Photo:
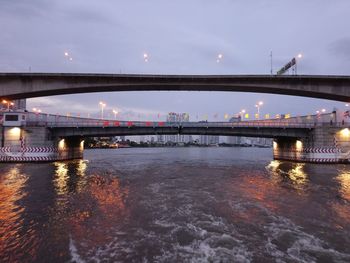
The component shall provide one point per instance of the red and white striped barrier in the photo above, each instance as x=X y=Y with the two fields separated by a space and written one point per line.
x=27 y=158
x=40 y=150
x=5 y=149
x=322 y=150
x=31 y=154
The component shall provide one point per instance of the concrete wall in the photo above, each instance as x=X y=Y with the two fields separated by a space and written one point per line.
x=38 y=137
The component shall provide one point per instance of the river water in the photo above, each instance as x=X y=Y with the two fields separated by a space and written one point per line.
x=175 y=205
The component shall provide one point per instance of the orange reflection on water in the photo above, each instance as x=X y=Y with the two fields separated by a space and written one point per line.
x=295 y=172
x=13 y=240
x=341 y=208
x=61 y=178
x=344 y=181
x=101 y=204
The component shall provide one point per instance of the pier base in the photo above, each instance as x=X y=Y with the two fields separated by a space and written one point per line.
x=35 y=144
x=323 y=145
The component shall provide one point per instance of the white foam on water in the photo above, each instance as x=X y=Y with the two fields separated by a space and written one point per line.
x=154 y=188
x=304 y=245
x=75 y=257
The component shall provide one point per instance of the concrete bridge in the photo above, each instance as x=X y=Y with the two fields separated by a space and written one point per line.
x=28 y=85
x=43 y=137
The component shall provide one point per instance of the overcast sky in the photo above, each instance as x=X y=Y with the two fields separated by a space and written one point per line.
x=180 y=37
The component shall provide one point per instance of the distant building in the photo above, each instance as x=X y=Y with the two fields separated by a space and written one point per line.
x=209 y=139
x=160 y=139
x=235 y=140
x=239 y=140
x=177 y=118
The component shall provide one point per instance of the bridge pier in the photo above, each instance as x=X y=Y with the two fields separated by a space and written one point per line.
x=36 y=144
x=70 y=148
x=323 y=145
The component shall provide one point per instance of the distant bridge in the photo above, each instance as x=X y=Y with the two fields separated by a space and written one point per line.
x=62 y=126
x=29 y=85
x=30 y=137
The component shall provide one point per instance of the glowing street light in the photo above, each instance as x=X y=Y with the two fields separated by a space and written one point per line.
x=8 y=103
x=258 y=105
x=321 y=111
x=241 y=113
x=115 y=113
x=36 y=110
x=103 y=105
x=219 y=57
x=69 y=57
x=298 y=58
x=145 y=57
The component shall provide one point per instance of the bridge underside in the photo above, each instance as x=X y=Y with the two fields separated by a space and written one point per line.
x=28 y=85
x=228 y=131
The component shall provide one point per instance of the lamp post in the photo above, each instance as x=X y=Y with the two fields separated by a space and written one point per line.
x=219 y=57
x=298 y=57
x=103 y=105
x=115 y=114
x=258 y=105
x=8 y=103
x=242 y=112
x=145 y=57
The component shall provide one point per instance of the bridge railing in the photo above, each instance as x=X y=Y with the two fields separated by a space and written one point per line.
x=57 y=121
x=101 y=123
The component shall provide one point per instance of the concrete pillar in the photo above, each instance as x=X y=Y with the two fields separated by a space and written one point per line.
x=328 y=144
x=70 y=148
x=35 y=144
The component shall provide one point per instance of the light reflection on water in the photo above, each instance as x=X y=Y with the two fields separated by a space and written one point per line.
x=61 y=178
x=173 y=205
x=293 y=172
x=13 y=242
x=344 y=182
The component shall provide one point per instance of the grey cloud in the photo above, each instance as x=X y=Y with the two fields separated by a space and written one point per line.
x=25 y=8
x=181 y=37
x=341 y=48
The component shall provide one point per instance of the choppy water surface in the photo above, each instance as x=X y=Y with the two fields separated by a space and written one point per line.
x=175 y=205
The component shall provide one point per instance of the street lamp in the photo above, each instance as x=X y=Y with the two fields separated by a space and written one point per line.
x=9 y=103
x=115 y=114
x=145 y=57
x=103 y=105
x=258 y=105
x=69 y=57
x=37 y=110
x=242 y=113
x=298 y=57
x=219 y=57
